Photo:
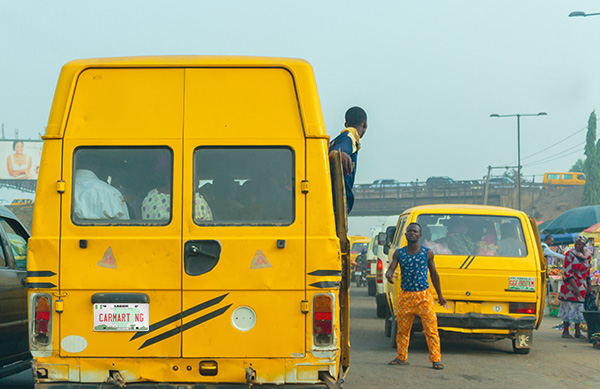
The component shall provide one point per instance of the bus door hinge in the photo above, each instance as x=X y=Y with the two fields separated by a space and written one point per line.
x=61 y=186
x=304 y=306
x=304 y=186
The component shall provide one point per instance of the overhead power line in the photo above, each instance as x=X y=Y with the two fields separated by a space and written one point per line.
x=553 y=145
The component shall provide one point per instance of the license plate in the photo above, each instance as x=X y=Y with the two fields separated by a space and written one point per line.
x=121 y=317
x=521 y=283
x=358 y=273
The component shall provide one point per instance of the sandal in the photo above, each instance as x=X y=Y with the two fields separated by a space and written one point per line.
x=567 y=336
x=438 y=366
x=396 y=362
x=580 y=336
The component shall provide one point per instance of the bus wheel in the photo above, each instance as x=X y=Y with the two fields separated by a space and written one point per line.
x=393 y=331
x=382 y=309
x=388 y=322
x=372 y=288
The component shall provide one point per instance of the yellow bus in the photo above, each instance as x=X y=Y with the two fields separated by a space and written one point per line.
x=184 y=230
x=491 y=267
x=571 y=178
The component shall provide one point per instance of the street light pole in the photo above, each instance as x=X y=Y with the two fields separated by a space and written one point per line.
x=518 y=116
x=581 y=13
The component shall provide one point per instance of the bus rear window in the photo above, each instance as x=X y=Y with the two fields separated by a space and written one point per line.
x=243 y=186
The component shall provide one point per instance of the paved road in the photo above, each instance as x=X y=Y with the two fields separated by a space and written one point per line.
x=553 y=362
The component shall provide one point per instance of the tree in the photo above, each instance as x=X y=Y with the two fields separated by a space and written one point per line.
x=578 y=166
x=591 y=190
x=512 y=174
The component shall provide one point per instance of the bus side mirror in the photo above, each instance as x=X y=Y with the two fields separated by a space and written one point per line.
x=389 y=237
x=381 y=238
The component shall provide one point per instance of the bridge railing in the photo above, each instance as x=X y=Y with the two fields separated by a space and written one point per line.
x=467 y=188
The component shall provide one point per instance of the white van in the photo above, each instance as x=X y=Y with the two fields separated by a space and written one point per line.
x=381 y=264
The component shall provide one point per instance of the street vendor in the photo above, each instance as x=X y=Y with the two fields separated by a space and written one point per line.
x=550 y=254
x=575 y=278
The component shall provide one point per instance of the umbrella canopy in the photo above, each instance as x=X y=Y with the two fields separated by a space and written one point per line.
x=542 y=225
x=594 y=228
x=574 y=220
x=565 y=239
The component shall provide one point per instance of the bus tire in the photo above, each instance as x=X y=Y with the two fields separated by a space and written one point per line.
x=372 y=288
x=382 y=309
x=393 y=332
x=388 y=322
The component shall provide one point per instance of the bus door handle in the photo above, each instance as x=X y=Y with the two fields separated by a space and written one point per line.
x=201 y=256
x=196 y=250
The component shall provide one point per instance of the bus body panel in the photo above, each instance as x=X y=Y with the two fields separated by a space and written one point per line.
x=201 y=277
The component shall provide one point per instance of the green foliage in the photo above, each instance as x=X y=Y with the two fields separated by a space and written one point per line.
x=578 y=166
x=512 y=174
x=591 y=190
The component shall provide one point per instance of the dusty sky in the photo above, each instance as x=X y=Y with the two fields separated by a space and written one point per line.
x=429 y=74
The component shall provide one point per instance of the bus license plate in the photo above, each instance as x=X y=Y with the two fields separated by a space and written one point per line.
x=121 y=317
x=521 y=283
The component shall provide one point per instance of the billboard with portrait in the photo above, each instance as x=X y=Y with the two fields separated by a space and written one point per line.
x=20 y=159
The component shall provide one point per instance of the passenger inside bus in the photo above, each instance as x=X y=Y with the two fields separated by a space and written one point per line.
x=94 y=198
x=509 y=244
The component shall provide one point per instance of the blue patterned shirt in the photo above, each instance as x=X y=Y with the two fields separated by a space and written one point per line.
x=413 y=270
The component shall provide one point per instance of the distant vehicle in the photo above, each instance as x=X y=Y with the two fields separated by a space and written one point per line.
x=357 y=244
x=21 y=202
x=439 y=181
x=469 y=182
x=502 y=182
x=14 y=342
x=388 y=183
x=572 y=178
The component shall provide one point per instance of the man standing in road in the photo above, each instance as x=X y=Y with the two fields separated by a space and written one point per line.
x=575 y=278
x=550 y=254
x=415 y=298
x=348 y=144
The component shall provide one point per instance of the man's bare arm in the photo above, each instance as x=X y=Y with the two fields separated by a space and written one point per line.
x=389 y=274
x=435 y=278
x=346 y=162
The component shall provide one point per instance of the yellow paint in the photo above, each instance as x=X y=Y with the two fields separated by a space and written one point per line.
x=183 y=103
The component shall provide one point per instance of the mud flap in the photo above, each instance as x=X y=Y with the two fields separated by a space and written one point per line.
x=523 y=339
x=341 y=223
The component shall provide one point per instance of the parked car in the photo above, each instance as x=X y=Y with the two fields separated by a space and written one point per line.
x=14 y=340
x=502 y=182
x=385 y=183
x=439 y=181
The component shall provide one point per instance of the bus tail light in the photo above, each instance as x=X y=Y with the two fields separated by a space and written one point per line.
x=323 y=320
x=42 y=319
x=526 y=308
x=379 y=271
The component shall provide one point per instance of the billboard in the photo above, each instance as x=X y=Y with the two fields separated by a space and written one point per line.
x=20 y=159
